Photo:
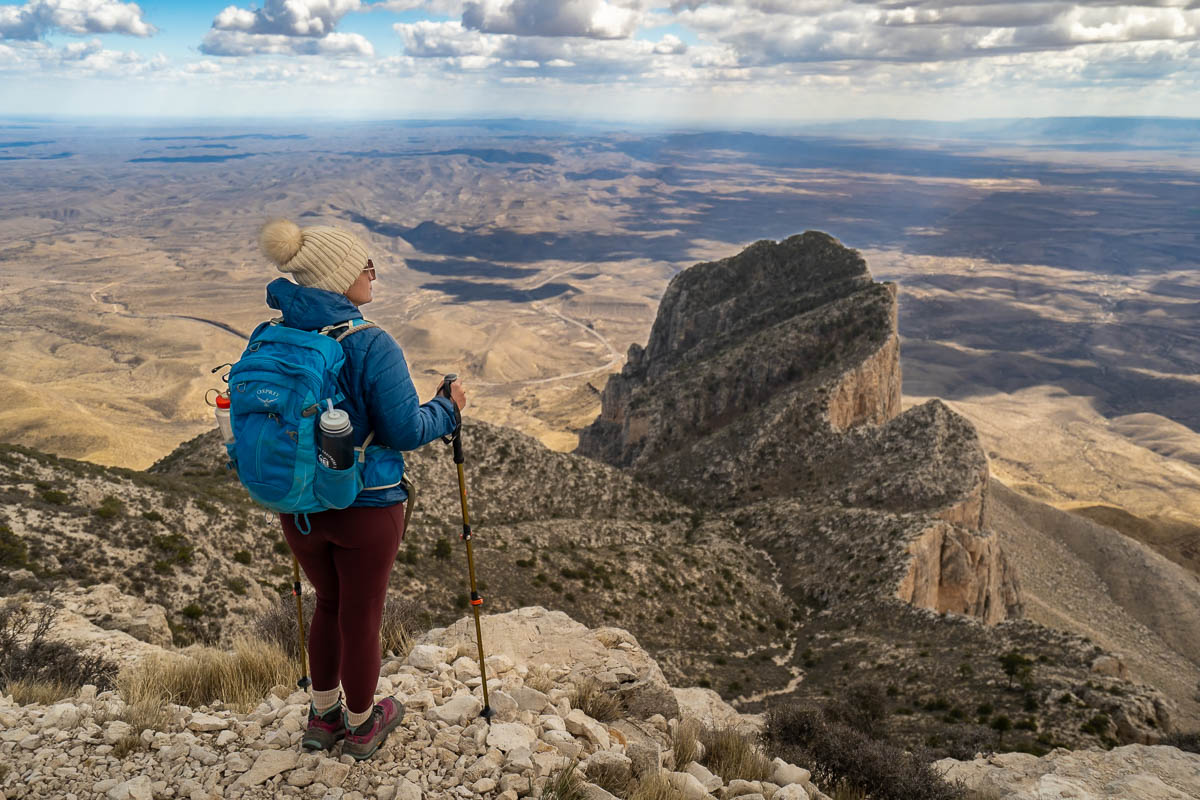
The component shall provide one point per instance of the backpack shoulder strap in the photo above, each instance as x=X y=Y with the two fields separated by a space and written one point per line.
x=341 y=330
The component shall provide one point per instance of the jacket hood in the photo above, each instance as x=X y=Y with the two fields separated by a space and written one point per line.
x=308 y=308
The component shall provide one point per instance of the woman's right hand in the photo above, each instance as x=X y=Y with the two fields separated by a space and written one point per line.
x=457 y=395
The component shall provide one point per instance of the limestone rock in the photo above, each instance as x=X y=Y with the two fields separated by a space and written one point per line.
x=687 y=785
x=508 y=736
x=268 y=764
x=206 y=723
x=138 y=788
x=106 y=607
x=580 y=724
x=784 y=773
x=534 y=637
x=709 y=781
x=706 y=707
x=458 y=710
x=1134 y=771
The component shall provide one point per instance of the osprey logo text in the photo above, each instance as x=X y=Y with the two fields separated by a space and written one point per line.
x=267 y=396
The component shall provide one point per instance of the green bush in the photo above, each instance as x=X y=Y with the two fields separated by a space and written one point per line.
x=14 y=554
x=152 y=516
x=110 y=507
x=193 y=611
x=55 y=497
x=839 y=755
x=442 y=549
x=175 y=548
x=242 y=557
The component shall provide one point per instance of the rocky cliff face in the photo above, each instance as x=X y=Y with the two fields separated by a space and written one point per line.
x=776 y=373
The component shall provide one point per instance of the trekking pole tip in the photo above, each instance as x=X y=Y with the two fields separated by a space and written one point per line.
x=487 y=713
x=304 y=682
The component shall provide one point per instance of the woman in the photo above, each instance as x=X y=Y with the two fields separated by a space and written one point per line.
x=348 y=554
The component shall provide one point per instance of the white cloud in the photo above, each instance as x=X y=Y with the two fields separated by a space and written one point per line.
x=765 y=32
x=37 y=18
x=82 y=59
x=597 y=19
x=285 y=27
x=240 y=43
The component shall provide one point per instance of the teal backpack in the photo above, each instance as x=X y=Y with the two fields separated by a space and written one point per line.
x=277 y=389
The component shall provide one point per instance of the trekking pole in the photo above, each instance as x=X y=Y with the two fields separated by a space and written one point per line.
x=455 y=439
x=304 y=681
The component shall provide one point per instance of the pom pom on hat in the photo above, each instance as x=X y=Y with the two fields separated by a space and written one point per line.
x=321 y=257
x=280 y=240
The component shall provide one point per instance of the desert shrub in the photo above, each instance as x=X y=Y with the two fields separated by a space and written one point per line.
x=152 y=516
x=278 y=624
x=442 y=549
x=34 y=664
x=863 y=707
x=55 y=497
x=174 y=547
x=242 y=557
x=589 y=697
x=564 y=784
x=109 y=508
x=193 y=611
x=1016 y=666
x=733 y=755
x=14 y=554
x=238 y=586
x=240 y=677
x=838 y=754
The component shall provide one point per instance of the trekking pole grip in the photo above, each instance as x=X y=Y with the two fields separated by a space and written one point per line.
x=456 y=437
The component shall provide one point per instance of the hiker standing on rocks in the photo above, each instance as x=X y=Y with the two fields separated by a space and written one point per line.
x=348 y=554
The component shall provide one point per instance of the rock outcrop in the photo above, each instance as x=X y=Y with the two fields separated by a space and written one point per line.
x=1123 y=773
x=776 y=373
x=443 y=750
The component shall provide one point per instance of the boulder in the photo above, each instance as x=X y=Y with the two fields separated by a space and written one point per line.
x=534 y=637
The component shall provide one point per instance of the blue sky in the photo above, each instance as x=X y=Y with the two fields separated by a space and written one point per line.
x=683 y=60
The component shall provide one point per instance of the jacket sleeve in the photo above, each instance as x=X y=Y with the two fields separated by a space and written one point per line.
x=397 y=416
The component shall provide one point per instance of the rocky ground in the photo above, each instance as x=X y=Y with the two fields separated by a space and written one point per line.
x=1133 y=771
x=443 y=749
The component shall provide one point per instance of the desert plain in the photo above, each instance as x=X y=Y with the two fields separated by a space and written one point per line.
x=1048 y=281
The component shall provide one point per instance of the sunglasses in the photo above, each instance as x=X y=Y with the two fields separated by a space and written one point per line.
x=370 y=269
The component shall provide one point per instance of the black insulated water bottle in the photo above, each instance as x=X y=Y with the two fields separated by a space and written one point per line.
x=335 y=439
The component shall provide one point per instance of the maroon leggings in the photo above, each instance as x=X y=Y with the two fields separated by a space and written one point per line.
x=347 y=557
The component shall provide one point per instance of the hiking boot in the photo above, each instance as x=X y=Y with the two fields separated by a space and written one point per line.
x=324 y=730
x=363 y=741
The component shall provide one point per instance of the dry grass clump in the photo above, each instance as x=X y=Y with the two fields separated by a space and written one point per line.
x=239 y=678
x=610 y=777
x=278 y=624
x=591 y=699
x=539 y=678
x=685 y=742
x=655 y=787
x=46 y=693
x=564 y=784
x=733 y=755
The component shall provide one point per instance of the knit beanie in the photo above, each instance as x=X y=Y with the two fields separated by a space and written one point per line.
x=320 y=257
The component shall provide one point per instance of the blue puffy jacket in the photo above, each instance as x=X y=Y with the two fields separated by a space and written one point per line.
x=380 y=395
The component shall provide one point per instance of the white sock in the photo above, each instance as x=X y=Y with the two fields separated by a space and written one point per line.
x=355 y=719
x=323 y=700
